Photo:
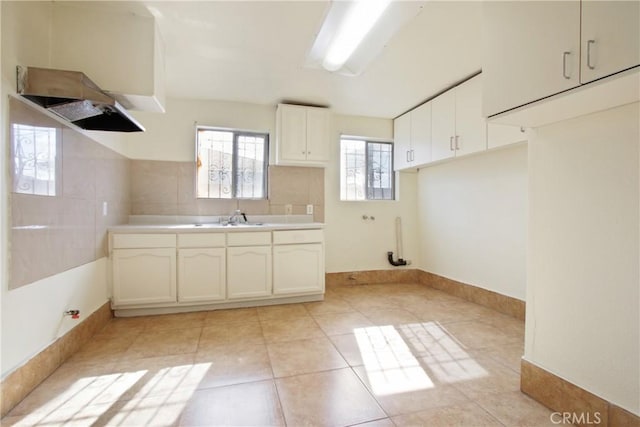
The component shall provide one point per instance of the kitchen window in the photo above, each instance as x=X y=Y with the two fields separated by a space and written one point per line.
x=366 y=170
x=231 y=164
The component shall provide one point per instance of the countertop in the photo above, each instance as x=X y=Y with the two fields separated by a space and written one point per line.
x=211 y=227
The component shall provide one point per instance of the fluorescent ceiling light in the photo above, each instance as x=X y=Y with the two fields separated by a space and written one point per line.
x=353 y=33
x=360 y=18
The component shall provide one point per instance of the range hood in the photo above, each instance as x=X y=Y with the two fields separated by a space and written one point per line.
x=72 y=96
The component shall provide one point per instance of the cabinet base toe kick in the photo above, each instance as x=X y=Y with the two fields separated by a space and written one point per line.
x=147 y=310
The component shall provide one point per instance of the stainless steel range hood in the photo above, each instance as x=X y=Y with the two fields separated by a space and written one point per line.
x=72 y=96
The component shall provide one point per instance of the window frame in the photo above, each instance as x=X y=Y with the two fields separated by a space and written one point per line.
x=392 y=172
x=237 y=133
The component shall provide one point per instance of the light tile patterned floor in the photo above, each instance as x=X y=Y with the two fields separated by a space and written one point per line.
x=374 y=355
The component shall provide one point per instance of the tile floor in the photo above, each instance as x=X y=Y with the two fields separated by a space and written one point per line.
x=374 y=355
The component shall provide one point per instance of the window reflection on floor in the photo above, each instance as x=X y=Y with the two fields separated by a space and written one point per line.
x=410 y=357
x=145 y=395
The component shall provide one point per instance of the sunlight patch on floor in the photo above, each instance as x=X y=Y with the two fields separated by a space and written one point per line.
x=410 y=357
x=391 y=367
x=139 y=397
x=441 y=354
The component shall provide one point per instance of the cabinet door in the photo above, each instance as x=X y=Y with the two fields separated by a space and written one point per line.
x=201 y=274
x=443 y=123
x=402 y=142
x=524 y=55
x=292 y=133
x=610 y=37
x=421 y=134
x=318 y=134
x=248 y=271
x=298 y=269
x=471 y=127
x=144 y=276
x=499 y=135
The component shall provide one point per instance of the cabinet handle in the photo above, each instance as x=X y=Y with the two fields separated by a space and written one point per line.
x=457 y=145
x=589 y=44
x=413 y=155
x=564 y=65
x=407 y=156
x=450 y=143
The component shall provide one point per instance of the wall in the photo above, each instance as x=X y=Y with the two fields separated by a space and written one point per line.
x=32 y=314
x=171 y=137
x=354 y=244
x=583 y=296
x=473 y=220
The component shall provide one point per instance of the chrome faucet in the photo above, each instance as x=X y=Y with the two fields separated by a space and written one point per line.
x=237 y=217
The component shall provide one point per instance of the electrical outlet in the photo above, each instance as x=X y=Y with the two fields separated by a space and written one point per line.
x=288 y=209
x=309 y=209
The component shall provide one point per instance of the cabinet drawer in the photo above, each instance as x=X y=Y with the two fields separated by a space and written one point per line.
x=201 y=240
x=297 y=236
x=143 y=241
x=249 y=239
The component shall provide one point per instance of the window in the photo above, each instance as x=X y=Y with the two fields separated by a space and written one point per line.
x=35 y=159
x=366 y=170
x=231 y=164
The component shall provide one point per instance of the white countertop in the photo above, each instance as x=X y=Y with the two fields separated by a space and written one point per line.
x=211 y=227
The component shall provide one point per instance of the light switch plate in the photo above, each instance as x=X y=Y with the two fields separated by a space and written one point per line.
x=309 y=209
x=288 y=209
x=105 y=209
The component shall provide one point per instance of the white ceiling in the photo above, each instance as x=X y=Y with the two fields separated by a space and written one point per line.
x=255 y=52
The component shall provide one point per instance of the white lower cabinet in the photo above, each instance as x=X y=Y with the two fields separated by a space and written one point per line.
x=144 y=276
x=166 y=270
x=201 y=274
x=248 y=271
x=298 y=268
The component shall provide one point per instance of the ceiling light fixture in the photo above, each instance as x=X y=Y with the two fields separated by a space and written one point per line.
x=358 y=21
x=353 y=33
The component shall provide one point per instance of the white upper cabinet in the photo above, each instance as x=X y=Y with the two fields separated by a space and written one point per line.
x=458 y=127
x=402 y=142
x=318 y=135
x=532 y=50
x=412 y=138
x=443 y=126
x=610 y=37
x=302 y=135
x=421 y=134
x=471 y=127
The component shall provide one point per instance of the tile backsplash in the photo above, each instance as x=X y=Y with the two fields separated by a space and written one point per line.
x=168 y=188
x=57 y=198
x=53 y=233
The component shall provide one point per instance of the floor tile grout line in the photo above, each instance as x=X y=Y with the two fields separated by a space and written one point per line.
x=475 y=402
x=353 y=371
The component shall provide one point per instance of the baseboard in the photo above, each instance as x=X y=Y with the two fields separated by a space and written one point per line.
x=578 y=406
x=502 y=303
x=17 y=385
x=368 y=277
